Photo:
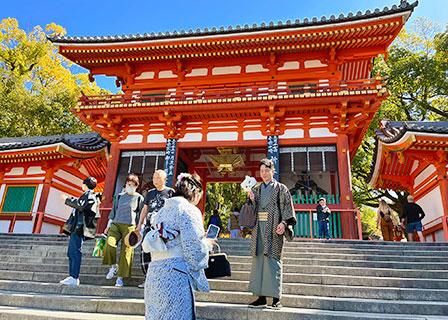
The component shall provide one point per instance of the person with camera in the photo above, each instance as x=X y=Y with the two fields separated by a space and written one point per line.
x=179 y=252
x=83 y=219
x=323 y=214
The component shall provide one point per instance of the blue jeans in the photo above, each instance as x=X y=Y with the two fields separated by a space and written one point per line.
x=323 y=229
x=74 y=254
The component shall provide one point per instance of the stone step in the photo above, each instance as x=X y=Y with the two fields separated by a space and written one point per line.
x=336 y=304
x=304 y=277
x=226 y=247
x=132 y=306
x=438 y=263
x=302 y=243
x=211 y=311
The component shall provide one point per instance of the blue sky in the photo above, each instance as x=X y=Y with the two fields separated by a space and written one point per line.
x=90 y=18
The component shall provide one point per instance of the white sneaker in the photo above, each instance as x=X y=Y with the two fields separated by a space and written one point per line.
x=141 y=285
x=62 y=281
x=119 y=282
x=70 y=281
x=112 y=272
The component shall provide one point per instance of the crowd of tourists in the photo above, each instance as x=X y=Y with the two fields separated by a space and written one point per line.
x=175 y=246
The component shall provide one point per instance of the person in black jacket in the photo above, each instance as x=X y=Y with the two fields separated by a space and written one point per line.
x=415 y=214
x=323 y=212
x=85 y=213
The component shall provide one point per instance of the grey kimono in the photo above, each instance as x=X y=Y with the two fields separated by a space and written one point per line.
x=267 y=245
x=175 y=272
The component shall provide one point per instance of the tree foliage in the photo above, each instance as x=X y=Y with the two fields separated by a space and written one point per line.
x=416 y=72
x=224 y=197
x=37 y=88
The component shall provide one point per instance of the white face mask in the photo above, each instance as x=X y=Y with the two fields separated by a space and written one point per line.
x=130 y=189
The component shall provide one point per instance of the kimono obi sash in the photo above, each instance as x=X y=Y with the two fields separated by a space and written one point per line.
x=262 y=216
x=173 y=252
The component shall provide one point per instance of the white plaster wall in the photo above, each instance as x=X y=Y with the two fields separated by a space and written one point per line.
x=17 y=171
x=292 y=134
x=2 y=192
x=84 y=171
x=255 y=68
x=321 y=132
x=191 y=137
x=197 y=72
x=35 y=170
x=146 y=75
x=23 y=227
x=166 y=74
x=226 y=70
x=222 y=136
x=431 y=205
x=424 y=174
x=132 y=138
x=68 y=177
x=55 y=205
x=4 y=226
x=314 y=64
x=48 y=228
x=156 y=138
x=253 y=135
x=37 y=198
x=290 y=65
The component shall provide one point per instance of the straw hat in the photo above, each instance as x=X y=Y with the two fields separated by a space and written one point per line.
x=132 y=239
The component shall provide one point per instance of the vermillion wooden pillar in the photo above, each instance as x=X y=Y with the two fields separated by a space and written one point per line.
x=442 y=180
x=49 y=172
x=274 y=155
x=170 y=161
x=109 y=185
x=347 y=218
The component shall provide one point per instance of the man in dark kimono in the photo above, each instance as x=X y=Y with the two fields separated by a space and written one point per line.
x=274 y=212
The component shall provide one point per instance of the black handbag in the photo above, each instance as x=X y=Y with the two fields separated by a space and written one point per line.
x=69 y=225
x=218 y=265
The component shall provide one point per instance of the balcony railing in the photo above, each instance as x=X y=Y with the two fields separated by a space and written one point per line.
x=236 y=93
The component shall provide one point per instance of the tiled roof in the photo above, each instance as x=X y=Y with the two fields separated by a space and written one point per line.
x=392 y=131
x=280 y=25
x=82 y=142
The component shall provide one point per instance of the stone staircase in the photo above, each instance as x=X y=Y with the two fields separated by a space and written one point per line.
x=322 y=280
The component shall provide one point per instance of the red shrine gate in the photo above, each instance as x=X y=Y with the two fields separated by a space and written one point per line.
x=217 y=101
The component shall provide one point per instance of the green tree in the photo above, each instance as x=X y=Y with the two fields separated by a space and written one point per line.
x=37 y=88
x=223 y=197
x=416 y=72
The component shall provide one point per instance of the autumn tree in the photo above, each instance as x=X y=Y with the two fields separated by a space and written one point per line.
x=37 y=87
x=416 y=72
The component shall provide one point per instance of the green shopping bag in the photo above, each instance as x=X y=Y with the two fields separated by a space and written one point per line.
x=98 y=250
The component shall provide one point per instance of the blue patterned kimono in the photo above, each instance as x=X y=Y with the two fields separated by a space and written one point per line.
x=170 y=281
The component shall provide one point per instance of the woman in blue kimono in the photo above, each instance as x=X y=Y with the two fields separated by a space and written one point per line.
x=179 y=253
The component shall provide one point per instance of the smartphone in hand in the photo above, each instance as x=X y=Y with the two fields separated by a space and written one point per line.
x=212 y=232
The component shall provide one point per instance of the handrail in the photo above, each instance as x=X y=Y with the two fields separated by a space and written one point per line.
x=311 y=211
x=232 y=92
x=428 y=226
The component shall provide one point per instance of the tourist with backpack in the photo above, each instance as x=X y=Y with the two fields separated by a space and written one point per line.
x=385 y=218
x=216 y=220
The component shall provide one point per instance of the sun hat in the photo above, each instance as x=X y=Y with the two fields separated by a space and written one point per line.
x=132 y=239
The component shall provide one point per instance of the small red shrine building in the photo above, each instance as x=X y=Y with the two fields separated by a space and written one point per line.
x=216 y=101
x=35 y=171
x=413 y=156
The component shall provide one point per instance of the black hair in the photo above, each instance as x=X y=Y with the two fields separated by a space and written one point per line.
x=215 y=212
x=268 y=163
x=236 y=209
x=187 y=185
x=90 y=182
x=133 y=178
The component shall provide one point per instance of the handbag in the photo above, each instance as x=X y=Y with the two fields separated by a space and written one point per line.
x=69 y=225
x=98 y=249
x=218 y=265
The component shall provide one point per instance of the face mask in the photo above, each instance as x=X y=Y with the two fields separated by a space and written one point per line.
x=130 y=189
